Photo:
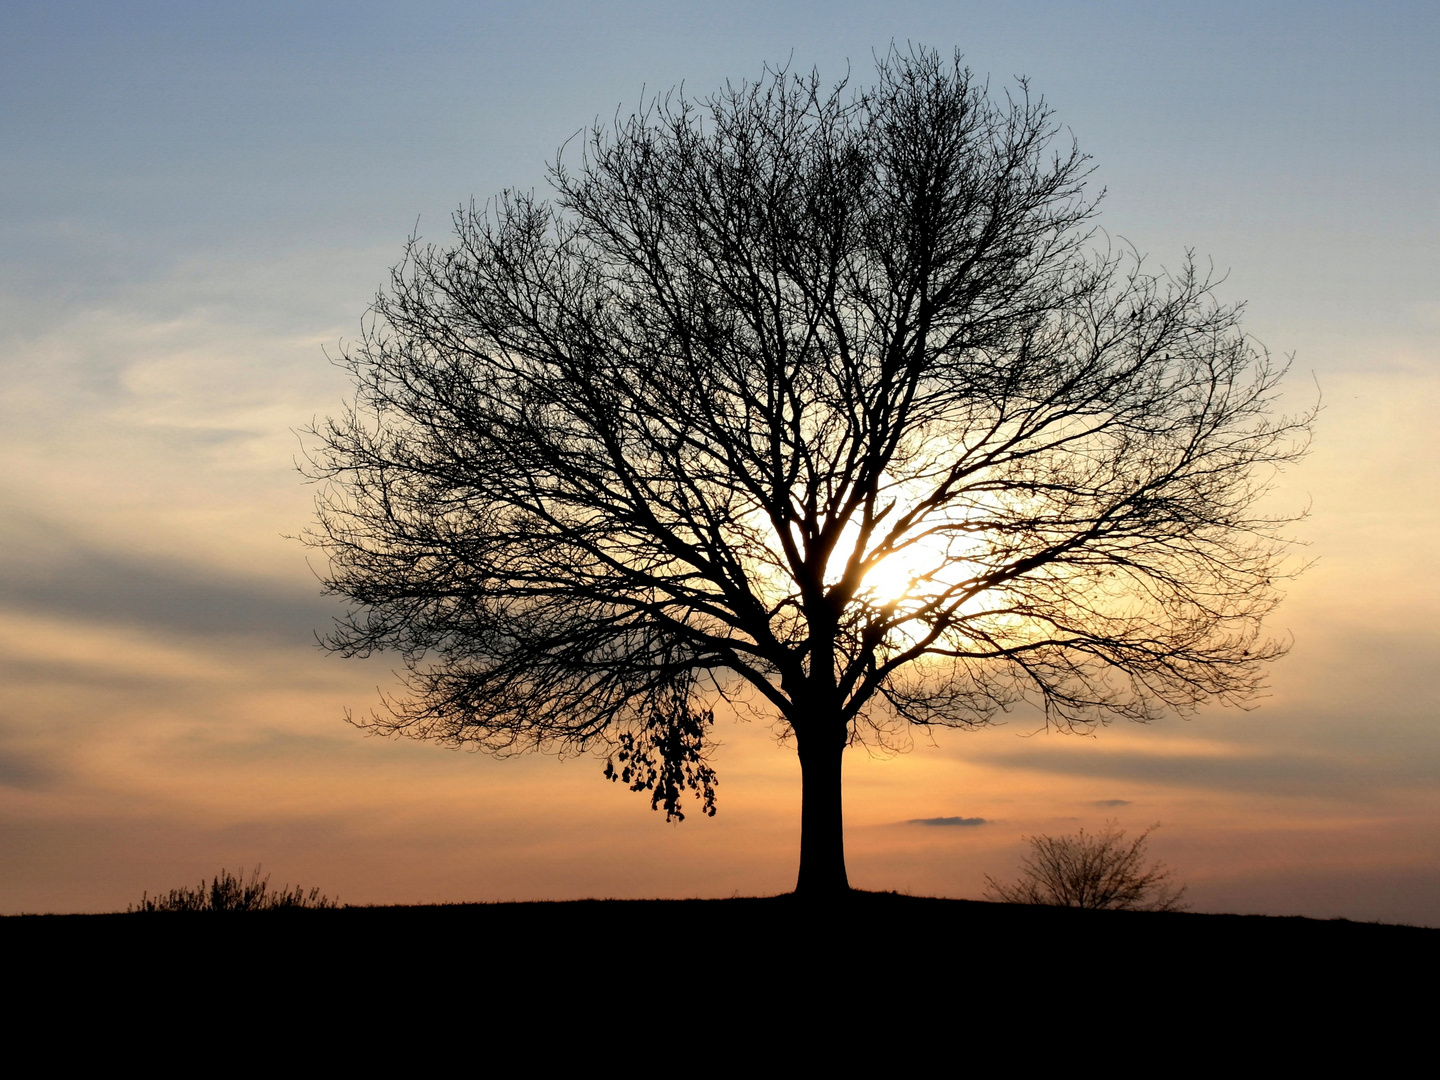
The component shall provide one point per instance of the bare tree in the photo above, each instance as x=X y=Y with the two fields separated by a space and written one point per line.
x=822 y=400
x=1095 y=871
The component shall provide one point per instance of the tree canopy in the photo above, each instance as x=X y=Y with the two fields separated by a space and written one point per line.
x=831 y=400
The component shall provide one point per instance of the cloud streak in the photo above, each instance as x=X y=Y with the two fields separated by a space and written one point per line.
x=52 y=575
x=965 y=821
x=1300 y=772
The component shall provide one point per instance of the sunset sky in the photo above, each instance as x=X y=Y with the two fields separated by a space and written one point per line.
x=200 y=200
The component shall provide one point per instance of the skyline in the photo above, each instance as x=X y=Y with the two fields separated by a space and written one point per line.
x=198 y=205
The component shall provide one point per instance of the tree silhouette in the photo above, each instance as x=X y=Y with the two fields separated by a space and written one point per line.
x=827 y=401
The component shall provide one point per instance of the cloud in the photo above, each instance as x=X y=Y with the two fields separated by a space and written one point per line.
x=53 y=575
x=948 y=821
x=1112 y=802
x=1267 y=772
x=24 y=770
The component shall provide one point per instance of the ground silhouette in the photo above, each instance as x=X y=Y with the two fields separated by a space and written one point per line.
x=872 y=982
x=923 y=941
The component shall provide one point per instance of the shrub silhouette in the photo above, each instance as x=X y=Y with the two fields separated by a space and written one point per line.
x=231 y=892
x=1091 y=871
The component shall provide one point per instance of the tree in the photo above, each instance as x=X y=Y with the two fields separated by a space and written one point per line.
x=824 y=402
x=1097 y=871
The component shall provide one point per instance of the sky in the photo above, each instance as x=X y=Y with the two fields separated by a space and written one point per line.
x=197 y=203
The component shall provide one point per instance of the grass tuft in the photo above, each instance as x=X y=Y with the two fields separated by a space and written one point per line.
x=232 y=892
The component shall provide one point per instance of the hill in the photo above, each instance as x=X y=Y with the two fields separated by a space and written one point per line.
x=875 y=983
x=865 y=934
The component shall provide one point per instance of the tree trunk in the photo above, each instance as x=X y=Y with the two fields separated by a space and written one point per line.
x=822 y=828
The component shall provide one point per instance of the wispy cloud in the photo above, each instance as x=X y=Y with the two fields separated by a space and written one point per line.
x=23 y=770
x=1300 y=771
x=948 y=821
x=50 y=574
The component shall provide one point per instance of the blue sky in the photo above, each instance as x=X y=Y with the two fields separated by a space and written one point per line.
x=199 y=199
x=153 y=132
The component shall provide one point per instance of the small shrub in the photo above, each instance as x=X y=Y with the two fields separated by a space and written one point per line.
x=1091 y=871
x=232 y=892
